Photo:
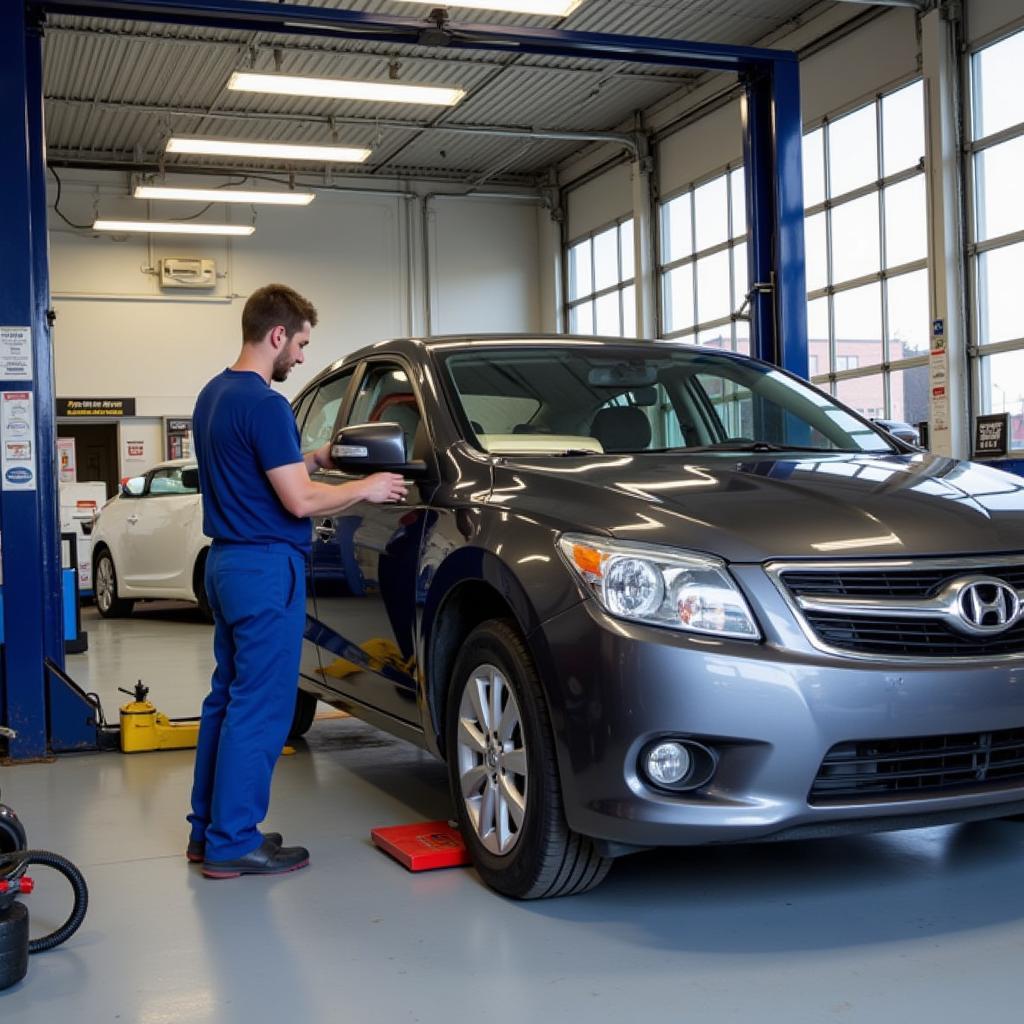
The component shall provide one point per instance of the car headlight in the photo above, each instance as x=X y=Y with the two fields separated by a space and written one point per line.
x=677 y=589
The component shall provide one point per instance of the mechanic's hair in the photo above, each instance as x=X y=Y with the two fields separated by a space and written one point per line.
x=275 y=304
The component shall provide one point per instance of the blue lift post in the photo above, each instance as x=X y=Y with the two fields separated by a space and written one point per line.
x=772 y=148
x=46 y=715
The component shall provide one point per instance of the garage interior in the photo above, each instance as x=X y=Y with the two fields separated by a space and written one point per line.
x=496 y=214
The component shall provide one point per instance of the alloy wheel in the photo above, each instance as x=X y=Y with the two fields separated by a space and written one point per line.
x=104 y=584
x=491 y=755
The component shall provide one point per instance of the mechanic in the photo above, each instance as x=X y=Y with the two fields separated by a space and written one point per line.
x=257 y=499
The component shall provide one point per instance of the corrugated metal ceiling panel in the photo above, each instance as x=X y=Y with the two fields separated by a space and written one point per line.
x=184 y=69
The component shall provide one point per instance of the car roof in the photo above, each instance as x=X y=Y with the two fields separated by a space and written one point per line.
x=455 y=341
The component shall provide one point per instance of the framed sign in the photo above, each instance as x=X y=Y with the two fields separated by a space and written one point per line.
x=991 y=434
x=105 y=407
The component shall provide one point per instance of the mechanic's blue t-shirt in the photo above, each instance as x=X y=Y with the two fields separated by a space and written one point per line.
x=242 y=428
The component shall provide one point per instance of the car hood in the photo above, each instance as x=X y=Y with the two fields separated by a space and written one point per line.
x=755 y=508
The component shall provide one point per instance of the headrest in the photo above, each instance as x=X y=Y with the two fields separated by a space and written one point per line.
x=623 y=428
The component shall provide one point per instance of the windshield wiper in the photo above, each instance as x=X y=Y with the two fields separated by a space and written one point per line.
x=761 y=446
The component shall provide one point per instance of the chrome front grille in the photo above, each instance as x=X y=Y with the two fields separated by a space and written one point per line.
x=920 y=765
x=909 y=609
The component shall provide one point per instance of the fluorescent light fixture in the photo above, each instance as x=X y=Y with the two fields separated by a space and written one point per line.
x=268 y=150
x=170 y=227
x=222 y=195
x=342 y=89
x=551 y=8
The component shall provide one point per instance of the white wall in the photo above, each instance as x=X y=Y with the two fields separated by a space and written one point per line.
x=117 y=334
x=986 y=18
x=600 y=202
x=484 y=266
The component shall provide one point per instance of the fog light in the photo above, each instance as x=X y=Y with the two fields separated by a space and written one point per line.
x=668 y=763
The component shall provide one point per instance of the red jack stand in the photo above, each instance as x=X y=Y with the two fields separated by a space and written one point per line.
x=423 y=846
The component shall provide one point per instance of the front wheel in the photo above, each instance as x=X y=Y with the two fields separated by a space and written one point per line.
x=504 y=778
x=105 y=587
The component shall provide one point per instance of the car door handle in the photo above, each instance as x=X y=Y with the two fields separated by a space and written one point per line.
x=324 y=530
x=133 y=519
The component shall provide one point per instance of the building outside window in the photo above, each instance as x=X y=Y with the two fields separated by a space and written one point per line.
x=997 y=229
x=601 y=289
x=866 y=235
x=702 y=264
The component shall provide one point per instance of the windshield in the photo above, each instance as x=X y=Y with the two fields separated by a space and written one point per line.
x=578 y=399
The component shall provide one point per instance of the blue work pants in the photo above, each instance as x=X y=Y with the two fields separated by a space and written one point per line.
x=258 y=596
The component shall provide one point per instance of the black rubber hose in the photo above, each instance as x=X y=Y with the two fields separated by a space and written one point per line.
x=20 y=862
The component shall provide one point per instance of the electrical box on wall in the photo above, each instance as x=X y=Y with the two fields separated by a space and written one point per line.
x=187 y=272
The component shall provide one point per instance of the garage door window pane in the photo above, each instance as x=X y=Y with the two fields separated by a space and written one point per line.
x=742 y=331
x=907 y=314
x=998 y=103
x=817 y=335
x=903 y=128
x=855 y=247
x=908 y=395
x=581 y=318
x=814 y=249
x=581 y=278
x=1003 y=390
x=1000 y=273
x=853 y=151
x=678 y=298
x=1000 y=199
x=740 y=275
x=606 y=259
x=814 y=167
x=606 y=314
x=906 y=222
x=738 y=193
x=626 y=257
x=629 y=312
x=677 y=229
x=711 y=205
x=713 y=300
x=865 y=394
x=858 y=321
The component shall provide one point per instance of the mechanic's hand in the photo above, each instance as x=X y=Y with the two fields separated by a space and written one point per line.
x=382 y=487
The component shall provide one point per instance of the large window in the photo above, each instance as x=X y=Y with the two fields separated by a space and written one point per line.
x=997 y=153
x=703 y=264
x=602 y=295
x=866 y=235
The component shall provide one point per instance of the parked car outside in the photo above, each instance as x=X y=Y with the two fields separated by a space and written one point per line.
x=148 y=541
x=653 y=595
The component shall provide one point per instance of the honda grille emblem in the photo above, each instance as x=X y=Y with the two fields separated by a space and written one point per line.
x=988 y=606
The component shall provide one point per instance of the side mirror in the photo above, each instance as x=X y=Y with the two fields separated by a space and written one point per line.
x=190 y=478
x=373 y=448
x=133 y=486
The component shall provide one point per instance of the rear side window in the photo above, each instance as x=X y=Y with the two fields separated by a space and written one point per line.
x=323 y=409
x=168 y=481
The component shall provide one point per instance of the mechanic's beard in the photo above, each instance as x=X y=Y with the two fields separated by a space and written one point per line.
x=281 y=368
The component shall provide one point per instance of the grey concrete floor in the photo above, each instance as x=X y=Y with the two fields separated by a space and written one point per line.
x=903 y=927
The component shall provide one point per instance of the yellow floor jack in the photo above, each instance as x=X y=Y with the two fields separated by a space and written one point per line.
x=145 y=728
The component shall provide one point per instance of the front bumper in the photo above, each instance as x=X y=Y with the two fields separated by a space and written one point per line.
x=771 y=711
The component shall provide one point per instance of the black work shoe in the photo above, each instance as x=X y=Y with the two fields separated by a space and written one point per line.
x=267 y=859
x=196 y=851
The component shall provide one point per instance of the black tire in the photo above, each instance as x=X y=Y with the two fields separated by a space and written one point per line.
x=13 y=944
x=305 y=712
x=545 y=858
x=12 y=832
x=199 y=586
x=104 y=579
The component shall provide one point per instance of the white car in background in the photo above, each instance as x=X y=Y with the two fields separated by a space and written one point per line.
x=148 y=541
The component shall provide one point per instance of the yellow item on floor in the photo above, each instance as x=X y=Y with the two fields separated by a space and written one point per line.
x=145 y=728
